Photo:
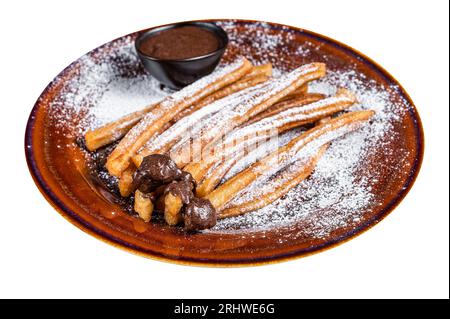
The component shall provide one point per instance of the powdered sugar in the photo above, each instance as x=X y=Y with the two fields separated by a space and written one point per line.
x=259 y=42
x=104 y=89
x=131 y=94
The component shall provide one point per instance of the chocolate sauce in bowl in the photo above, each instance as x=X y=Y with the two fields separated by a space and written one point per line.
x=180 y=43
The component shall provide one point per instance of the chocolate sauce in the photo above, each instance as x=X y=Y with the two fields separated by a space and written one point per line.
x=155 y=170
x=199 y=214
x=158 y=175
x=100 y=177
x=180 y=43
x=181 y=189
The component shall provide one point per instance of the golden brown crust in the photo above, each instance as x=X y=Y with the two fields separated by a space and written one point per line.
x=326 y=107
x=263 y=69
x=279 y=189
x=143 y=206
x=112 y=132
x=227 y=191
x=126 y=181
x=297 y=93
x=172 y=209
x=305 y=99
x=159 y=115
x=312 y=71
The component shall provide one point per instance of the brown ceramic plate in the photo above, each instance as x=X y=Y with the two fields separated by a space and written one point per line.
x=58 y=166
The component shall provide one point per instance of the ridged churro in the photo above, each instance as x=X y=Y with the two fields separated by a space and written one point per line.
x=163 y=142
x=275 y=188
x=163 y=112
x=143 y=205
x=282 y=157
x=265 y=128
x=112 y=132
x=240 y=107
x=323 y=133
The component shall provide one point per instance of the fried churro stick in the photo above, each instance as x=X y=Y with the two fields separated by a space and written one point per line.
x=320 y=134
x=263 y=69
x=297 y=93
x=230 y=89
x=265 y=128
x=126 y=181
x=113 y=131
x=277 y=187
x=242 y=107
x=257 y=75
x=172 y=208
x=164 y=112
x=153 y=146
x=143 y=206
x=286 y=104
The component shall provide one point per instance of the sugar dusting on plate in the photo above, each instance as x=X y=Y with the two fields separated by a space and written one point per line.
x=107 y=87
x=110 y=83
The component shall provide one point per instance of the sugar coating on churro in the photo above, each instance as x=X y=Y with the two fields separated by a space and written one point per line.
x=248 y=138
x=282 y=166
x=240 y=103
x=183 y=94
x=293 y=114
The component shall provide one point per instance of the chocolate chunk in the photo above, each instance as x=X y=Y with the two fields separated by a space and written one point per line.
x=155 y=169
x=185 y=176
x=199 y=214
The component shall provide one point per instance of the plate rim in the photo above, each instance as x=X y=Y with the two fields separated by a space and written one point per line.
x=71 y=215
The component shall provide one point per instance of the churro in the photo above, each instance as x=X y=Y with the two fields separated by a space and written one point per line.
x=274 y=188
x=163 y=112
x=305 y=99
x=268 y=127
x=299 y=92
x=321 y=134
x=241 y=106
x=112 y=132
x=172 y=207
x=143 y=205
x=126 y=181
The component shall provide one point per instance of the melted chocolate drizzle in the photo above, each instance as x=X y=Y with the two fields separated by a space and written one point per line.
x=157 y=176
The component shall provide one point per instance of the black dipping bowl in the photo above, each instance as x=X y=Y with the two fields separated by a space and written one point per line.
x=176 y=74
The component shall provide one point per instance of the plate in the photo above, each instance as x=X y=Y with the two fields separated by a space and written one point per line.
x=361 y=180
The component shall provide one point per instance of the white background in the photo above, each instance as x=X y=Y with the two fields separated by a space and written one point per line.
x=42 y=255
